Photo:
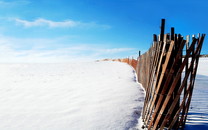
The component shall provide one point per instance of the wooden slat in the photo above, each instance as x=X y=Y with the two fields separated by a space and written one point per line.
x=185 y=86
x=158 y=52
x=155 y=47
x=154 y=38
x=164 y=67
x=162 y=32
x=172 y=33
x=166 y=85
x=179 y=110
x=150 y=105
x=175 y=81
x=184 y=81
x=177 y=97
x=201 y=40
x=190 y=89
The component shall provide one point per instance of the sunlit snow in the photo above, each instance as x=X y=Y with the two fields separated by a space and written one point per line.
x=73 y=96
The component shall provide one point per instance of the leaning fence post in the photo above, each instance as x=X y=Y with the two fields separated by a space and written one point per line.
x=162 y=31
x=139 y=53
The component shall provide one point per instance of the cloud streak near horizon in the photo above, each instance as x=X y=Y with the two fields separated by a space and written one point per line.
x=59 y=24
x=44 y=54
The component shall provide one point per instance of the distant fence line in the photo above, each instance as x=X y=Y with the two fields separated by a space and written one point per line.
x=167 y=72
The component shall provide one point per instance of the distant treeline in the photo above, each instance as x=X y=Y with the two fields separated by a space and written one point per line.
x=205 y=55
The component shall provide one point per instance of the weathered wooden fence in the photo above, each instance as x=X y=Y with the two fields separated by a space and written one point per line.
x=167 y=72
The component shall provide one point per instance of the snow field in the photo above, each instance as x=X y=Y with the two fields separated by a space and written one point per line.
x=75 y=96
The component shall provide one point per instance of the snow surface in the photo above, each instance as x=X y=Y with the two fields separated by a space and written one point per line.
x=72 y=96
x=198 y=111
x=77 y=96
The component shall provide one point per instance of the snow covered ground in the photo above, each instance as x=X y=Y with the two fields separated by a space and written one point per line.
x=198 y=111
x=77 y=96
x=73 y=96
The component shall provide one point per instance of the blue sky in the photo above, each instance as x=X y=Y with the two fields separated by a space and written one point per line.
x=69 y=30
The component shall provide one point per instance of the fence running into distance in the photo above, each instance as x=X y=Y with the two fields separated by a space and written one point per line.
x=167 y=72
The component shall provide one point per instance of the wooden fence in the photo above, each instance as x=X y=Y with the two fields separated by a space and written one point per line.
x=167 y=71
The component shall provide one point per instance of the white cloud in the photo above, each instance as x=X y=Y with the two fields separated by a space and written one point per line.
x=59 y=24
x=14 y=50
x=115 y=50
x=44 y=22
x=6 y=4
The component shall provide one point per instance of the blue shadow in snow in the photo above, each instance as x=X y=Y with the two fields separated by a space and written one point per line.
x=198 y=112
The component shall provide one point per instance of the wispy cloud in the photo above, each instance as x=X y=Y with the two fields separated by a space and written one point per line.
x=49 y=23
x=114 y=50
x=81 y=52
x=6 y=4
x=59 y=24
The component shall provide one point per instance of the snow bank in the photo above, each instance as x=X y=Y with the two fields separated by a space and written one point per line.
x=75 y=96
